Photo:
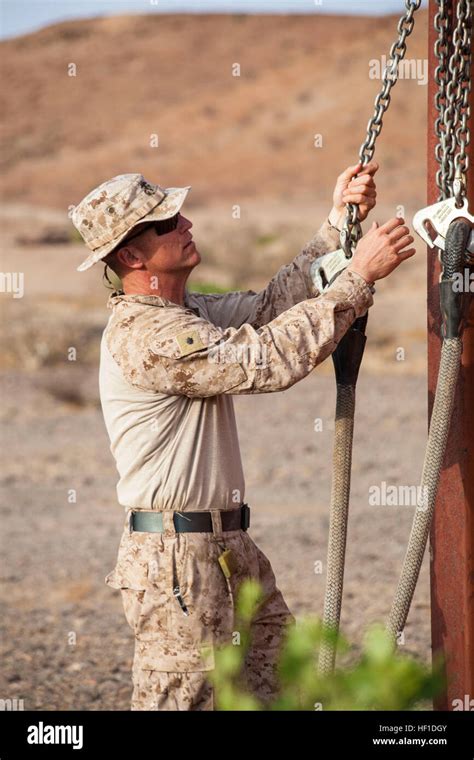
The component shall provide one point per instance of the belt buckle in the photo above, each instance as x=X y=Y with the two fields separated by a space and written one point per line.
x=245 y=517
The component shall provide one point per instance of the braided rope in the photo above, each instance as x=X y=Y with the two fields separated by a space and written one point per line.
x=434 y=455
x=339 y=513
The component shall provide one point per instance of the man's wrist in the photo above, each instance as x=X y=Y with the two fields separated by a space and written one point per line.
x=369 y=282
x=336 y=218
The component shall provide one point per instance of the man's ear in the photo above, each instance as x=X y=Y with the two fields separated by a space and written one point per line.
x=128 y=259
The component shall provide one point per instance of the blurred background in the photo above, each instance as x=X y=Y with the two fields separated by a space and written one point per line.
x=96 y=89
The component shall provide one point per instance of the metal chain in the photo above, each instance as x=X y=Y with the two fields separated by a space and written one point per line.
x=442 y=50
x=351 y=231
x=463 y=111
x=453 y=77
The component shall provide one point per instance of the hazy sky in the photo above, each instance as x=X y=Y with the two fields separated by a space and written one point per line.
x=22 y=16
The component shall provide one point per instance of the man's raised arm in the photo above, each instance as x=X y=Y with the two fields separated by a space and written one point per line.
x=293 y=283
x=183 y=354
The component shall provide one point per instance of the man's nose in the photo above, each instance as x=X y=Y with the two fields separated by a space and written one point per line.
x=185 y=224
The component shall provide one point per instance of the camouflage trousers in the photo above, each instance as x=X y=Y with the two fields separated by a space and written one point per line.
x=174 y=651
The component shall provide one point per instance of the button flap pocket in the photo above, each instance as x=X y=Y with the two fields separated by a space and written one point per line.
x=187 y=341
x=136 y=564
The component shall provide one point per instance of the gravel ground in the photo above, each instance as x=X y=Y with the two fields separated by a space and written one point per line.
x=67 y=645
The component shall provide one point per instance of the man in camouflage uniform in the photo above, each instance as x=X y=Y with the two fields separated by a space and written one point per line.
x=171 y=360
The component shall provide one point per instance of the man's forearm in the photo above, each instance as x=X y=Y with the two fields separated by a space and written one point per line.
x=290 y=285
x=327 y=238
x=336 y=217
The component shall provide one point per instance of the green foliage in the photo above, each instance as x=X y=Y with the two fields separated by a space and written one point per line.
x=379 y=679
x=263 y=240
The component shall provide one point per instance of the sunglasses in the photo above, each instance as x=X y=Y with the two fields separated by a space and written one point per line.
x=161 y=227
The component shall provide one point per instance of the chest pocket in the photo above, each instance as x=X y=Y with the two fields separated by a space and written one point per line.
x=198 y=361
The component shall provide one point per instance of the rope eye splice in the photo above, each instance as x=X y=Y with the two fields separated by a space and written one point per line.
x=454 y=238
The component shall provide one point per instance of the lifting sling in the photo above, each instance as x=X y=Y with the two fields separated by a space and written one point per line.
x=446 y=226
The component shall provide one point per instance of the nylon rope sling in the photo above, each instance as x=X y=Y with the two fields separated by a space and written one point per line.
x=453 y=78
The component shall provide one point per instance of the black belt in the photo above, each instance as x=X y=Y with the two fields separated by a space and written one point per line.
x=192 y=522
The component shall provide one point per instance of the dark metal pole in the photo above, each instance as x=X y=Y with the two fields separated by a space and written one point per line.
x=452 y=534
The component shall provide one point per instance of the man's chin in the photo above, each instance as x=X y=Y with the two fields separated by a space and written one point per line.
x=193 y=259
x=193 y=251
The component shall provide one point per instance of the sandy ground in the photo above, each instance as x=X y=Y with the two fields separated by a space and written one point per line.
x=67 y=645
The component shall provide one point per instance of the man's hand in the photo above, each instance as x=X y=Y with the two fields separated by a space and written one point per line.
x=382 y=249
x=352 y=189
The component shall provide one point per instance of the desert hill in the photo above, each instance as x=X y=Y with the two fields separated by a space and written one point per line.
x=231 y=137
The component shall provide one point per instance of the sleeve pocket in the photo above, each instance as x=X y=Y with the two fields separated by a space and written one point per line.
x=195 y=364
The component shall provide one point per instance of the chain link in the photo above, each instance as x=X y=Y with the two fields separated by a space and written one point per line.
x=453 y=77
x=443 y=51
x=351 y=231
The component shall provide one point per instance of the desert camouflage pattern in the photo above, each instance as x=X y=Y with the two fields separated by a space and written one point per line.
x=174 y=651
x=108 y=213
x=168 y=374
x=177 y=351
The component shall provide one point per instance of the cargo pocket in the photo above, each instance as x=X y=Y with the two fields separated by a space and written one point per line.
x=154 y=600
x=206 y=594
x=201 y=620
x=140 y=575
x=176 y=632
x=173 y=630
x=132 y=600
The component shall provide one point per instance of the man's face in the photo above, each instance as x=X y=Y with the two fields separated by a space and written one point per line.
x=174 y=251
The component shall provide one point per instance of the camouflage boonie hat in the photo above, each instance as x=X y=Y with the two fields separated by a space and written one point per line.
x=109 y=212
